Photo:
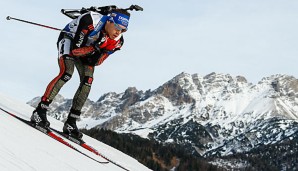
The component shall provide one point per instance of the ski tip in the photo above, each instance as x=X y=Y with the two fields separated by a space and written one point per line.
x=8 y=18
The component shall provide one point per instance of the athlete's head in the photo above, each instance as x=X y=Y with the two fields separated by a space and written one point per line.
x=117 y=23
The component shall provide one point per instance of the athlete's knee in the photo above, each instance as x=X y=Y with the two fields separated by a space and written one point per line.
x=66 y=77
x=87 y=81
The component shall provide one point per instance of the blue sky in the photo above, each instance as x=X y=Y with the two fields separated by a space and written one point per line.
x=251 y=38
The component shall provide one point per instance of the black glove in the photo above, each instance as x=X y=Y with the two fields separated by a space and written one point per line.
x=91 y=60
x=83 y=51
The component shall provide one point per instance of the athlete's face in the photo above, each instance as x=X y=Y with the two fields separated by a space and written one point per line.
x=114 y=30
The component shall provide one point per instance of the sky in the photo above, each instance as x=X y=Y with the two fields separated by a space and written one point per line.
x=251 y=38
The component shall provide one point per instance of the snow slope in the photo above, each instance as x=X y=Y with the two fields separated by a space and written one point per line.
x=24 y=148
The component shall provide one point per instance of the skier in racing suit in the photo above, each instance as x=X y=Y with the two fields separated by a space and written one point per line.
x=85 y=43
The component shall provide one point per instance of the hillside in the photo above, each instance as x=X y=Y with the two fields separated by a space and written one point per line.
x=24 y=148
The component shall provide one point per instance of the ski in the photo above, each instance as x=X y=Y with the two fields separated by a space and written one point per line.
x=83 y=144
x=80 y=142
x=51 y=134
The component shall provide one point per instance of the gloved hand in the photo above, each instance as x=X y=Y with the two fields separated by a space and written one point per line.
x=91 y=60
x=83 y=51
x=89 y=55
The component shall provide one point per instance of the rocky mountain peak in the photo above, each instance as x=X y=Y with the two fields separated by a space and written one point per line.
x=178 y=89
x=130 y=97
x=286 y=85
x=223 y=109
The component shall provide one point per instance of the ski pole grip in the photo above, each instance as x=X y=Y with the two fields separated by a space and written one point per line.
x=8 y=18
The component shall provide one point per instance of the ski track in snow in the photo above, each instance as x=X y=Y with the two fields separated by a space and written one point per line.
x=23 y=148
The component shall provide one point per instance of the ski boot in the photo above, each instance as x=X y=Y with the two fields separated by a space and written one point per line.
x=39 y=115
x=70 y=127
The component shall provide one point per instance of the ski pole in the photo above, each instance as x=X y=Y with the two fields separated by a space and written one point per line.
x=41 y=25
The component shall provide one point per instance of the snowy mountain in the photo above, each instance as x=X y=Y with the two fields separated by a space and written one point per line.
x=24 y=148
x=216 y=114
